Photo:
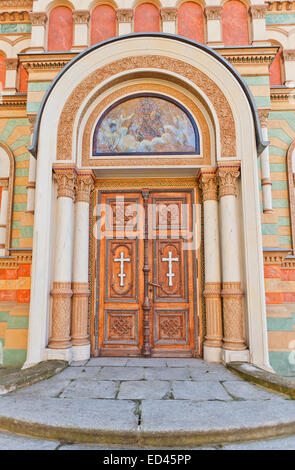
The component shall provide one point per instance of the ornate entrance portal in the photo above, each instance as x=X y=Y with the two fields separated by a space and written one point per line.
x=146 y=284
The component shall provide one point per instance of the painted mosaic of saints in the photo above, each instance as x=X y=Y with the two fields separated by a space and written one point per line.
x=144 y=125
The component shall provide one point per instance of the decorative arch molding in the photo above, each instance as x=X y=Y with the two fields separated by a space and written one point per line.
x=291 y=188
x=209 y=88
x=260 y=144
x=7 y=181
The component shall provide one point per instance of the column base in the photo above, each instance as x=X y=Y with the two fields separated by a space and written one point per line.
x=81 y=353
x=235 y=356
x=212 y=354
x=59 y=354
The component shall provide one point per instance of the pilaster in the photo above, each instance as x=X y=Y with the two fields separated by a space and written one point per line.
x=214 y=30
x=124 y=19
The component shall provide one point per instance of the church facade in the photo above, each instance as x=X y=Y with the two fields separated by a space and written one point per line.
x=147 y=160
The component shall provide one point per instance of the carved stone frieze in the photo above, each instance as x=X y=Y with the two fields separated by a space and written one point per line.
x=124 y=15
x=61 y=315
x=208 y=184
x=81 y=16
x=27 y=4
x=227 y=180
x=213 y=12
x=168 y=14
x=233 y=322
x=38 y=18
x=258 y=11
x=65 y=178
x=212 y=295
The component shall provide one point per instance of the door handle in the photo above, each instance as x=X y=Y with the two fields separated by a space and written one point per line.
x=154 y=284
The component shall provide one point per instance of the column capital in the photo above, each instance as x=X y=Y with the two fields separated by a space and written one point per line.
x=289 y=54
x=4 y=183
x=124 y=15
x=168 y=14
x=11 y=64
x=213 y=12
x=38 y=18
x=227 y=180
x=263 y=116
x=84 y=185
x=258 y=12
x=81 y=16
x=208 y=184
x=65 y=178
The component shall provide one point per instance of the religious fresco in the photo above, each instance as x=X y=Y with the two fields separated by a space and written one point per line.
x=145 y=124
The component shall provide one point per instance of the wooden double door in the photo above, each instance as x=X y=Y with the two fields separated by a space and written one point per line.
x=146 y=280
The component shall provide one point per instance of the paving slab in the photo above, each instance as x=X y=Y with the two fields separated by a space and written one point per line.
x=197 y=423
x=186 y=390
x=79 y=372
x=50 y=388
x=70 y=420
x=13 y=442
x=246 y=391
x=122 y=373
x=107 y=361
x=142 y=390
x=285 y=443
x=88 y=388
x=166 y=373
x=147 y=362
x=189 y=361
x=212 y=375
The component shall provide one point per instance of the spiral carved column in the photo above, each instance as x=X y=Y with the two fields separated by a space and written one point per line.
x=213 y=339
x=61 y=292
x=79 y=332
x=232 y=294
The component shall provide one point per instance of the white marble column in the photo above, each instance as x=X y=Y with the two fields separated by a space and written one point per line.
x=80 y=288
x=265 y=166
x=234 y=347
x=214 y=27
x=80 y=19
x=38 y=36
x=124 y=19
x=60 y=340
x=3 y=215
x=258 y=13
x=168 y=17
x=212 y=293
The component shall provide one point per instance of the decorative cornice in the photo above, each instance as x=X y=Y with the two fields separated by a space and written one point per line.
x=10 y=4
x=66 y=179
x=288 y=263
x=38 y=18
x=16 y=258
x=289 y=54
x=168 y=14
x=53 y=61
x=282 y=94
x=14 y=17
x=263 y=116
x=213 y=12
x=11 y=64
x=280 y=5
x=81 y=16
x=258 y=12
x=13 y=102
x=227 y=180
x=124 y=15
x=275 y=256
x=84 y=185
x=208 y=184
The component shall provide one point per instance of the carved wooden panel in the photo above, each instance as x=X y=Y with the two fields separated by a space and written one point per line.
x=121 y=326
x=122 y=213
x=170 y=270
x=171 y=326
x=121 y=270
